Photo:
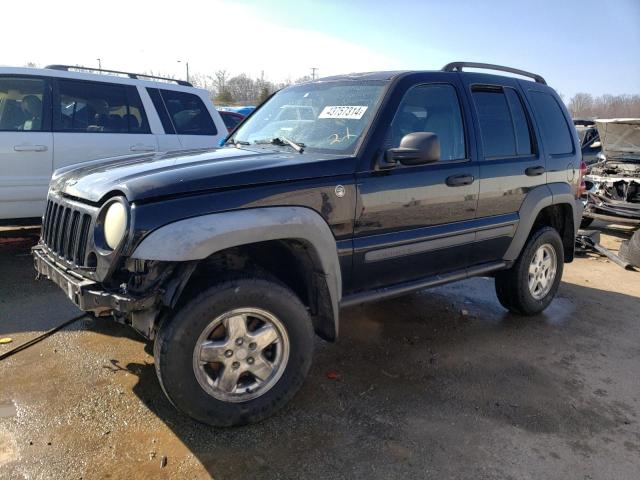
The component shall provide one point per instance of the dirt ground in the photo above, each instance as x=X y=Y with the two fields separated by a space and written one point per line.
x=439 y=384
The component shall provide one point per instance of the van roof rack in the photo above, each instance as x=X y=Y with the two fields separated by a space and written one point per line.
x=138 y=76
x=458 y=66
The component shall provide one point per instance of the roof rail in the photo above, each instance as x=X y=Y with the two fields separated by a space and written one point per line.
x=138 y=76
x=458 y=66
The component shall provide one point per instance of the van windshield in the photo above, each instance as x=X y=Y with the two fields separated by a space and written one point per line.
x=326 y=117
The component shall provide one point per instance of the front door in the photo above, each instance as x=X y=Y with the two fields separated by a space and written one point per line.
x=26 y=146
x=416 y=221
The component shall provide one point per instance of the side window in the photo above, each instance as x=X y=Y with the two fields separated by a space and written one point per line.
x=554 y=128
x=136 y=119
x=21 y=104
x=158 y=103
x=431 y=108
x=520 y=123
x=496 y=127
x=188 y=113
x=98 y=108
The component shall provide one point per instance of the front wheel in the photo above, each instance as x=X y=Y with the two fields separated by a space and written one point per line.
x=236 y=353
x=528 y=287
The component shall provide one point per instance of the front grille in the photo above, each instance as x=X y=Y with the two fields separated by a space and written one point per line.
x=65 y=230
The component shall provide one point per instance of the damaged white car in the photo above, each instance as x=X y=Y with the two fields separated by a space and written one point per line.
x=613 y=183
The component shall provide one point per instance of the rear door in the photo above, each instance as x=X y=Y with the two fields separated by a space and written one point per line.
x=94 y=120
x=511 y=163
x=558 y=134
x=417 y=221
x=26 y=145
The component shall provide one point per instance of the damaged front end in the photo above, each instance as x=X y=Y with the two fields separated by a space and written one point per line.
x=613 y=184
x=146 y=288
x=99 y=280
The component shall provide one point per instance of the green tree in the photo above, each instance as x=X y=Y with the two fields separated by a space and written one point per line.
x=224 y=97
x=264 y=94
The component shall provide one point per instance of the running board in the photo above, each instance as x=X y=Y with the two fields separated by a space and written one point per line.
x=408 y=287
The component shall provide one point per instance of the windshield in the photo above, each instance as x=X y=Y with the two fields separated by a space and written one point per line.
x=323 y=117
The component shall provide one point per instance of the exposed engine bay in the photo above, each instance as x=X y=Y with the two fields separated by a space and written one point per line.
x=613 y=183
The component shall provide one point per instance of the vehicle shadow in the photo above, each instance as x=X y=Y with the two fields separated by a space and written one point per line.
x=411 y=377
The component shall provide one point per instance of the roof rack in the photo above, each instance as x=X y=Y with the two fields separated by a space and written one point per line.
x=458 y=66
x=138 y=76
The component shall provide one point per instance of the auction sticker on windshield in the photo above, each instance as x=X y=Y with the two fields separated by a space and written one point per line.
x=351 y=112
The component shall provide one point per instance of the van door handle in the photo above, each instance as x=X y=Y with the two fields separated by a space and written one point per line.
x=142 y=148
x=534 y=171
x=30 y=148
x=459 y=180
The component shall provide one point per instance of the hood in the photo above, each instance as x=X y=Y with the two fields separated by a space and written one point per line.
x=143 y=177
x=620 y=137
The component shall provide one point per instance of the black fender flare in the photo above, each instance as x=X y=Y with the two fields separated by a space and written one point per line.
x=197 y=238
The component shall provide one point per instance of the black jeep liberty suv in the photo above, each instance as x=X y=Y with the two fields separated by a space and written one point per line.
x=332 y=193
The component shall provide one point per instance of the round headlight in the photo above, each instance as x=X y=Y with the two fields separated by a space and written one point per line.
x=115 y=224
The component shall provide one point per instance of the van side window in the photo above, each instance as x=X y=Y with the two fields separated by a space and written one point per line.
x=98 y=108
x=154 y=94
x=553 y=125
x=188 y=113
x=431 y=108
x=21 y=104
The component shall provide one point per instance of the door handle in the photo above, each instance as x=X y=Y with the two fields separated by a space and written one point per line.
x=142 y=148
x=30 y=148
x=459 y=180
x=534 y=171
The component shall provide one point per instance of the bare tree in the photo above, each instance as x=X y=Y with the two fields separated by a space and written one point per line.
x=581 y=105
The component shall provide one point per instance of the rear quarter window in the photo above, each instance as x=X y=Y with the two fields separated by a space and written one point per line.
x=188 y=113
x=553 y=125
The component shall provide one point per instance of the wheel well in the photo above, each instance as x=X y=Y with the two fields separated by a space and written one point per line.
x=291 y=262
x=560 y=218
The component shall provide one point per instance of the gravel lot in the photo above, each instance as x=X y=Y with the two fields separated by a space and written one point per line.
x=439 y=384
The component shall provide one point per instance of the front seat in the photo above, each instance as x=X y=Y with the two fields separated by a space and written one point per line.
x=32 y=108
x=403 y=124
x=439 y=121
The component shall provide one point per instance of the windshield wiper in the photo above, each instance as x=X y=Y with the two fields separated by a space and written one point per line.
x=282 y=141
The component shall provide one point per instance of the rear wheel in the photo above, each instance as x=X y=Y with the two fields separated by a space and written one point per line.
x=236 y=353
x=528 y=287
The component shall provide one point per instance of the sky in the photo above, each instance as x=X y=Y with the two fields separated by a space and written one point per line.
x=577 y=45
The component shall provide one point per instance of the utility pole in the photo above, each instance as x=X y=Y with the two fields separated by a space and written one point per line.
x=187 y=65
x=99 y=63
x=313 y=72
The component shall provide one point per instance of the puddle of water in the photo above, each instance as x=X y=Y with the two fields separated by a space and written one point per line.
x=7 y=410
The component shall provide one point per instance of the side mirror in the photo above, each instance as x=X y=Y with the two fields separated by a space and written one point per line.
x=415 y=148
x=596 y=144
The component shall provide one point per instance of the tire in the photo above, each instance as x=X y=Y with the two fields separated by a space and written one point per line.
x=585 y=222
x=187 y=381
x=512 y=285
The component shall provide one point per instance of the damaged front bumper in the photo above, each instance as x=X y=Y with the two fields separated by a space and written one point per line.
x=88 y=295
x=599 y=204
x=599 y=207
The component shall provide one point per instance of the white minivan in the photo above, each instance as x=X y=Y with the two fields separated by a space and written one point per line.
x=61 y=115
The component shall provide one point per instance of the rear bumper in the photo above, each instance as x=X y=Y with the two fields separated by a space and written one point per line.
x=88 y=295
